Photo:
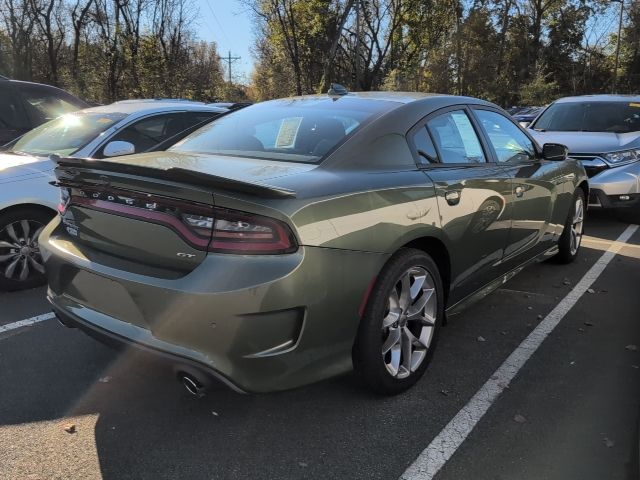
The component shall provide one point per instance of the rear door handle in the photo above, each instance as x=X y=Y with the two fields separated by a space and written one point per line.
x=452 y=197
x=519 y=191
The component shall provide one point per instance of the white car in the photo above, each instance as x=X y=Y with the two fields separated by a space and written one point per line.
x=28 y=201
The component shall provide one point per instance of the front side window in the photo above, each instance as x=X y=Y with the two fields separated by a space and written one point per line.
x=508 y=141
x=614 y=117
x=455 y=138
x=66 y=134
x=148 y=132
x=297 y=130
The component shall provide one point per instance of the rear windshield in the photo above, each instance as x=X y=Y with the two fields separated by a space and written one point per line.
x=297 y=130
x=616 y=117
x=66 y=134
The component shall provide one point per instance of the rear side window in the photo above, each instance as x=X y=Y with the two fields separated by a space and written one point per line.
x=455 y=138
x=424 y=146
x=508 y=141
x=193 y=118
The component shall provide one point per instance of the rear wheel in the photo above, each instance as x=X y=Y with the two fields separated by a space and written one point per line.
x=571 y=238
x=21 y=264
x=399 y=330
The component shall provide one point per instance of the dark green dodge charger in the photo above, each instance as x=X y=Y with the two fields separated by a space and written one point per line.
x=299 y=238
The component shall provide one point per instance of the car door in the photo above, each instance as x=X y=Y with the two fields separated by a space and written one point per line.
x=13 y=120
x=535 y=185
x=472 y=196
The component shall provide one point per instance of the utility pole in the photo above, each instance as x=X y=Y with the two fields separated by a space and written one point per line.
x=356 y=85
x=615 y=71
x=229 y=59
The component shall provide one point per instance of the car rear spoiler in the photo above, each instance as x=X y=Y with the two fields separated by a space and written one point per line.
x=179 y=175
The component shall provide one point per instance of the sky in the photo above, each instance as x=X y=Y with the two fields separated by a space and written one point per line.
x=229 y=24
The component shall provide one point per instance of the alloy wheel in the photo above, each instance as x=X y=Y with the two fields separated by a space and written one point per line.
x=409 y=322
x=20 y=258
x=577 y=225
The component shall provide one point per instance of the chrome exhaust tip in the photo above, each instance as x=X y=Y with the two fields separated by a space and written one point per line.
x=192 y=385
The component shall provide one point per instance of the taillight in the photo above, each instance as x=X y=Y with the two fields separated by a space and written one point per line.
x=245 y=233
x=205 y=227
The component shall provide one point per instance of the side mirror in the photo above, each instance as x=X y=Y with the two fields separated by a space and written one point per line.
x=554 y=151
x=118 y=148
x=524 y=124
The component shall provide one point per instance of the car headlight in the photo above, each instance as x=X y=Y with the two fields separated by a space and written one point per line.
x=623 y=157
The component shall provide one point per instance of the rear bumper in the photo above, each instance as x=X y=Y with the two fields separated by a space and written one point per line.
x=155 y=348
x=258 y=323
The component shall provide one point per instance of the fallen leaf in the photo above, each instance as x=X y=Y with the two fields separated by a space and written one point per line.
x=106 y=379
x=70 y=427
x=519 y=418
x=609 y=443
x=631 y=348
x=481 y=339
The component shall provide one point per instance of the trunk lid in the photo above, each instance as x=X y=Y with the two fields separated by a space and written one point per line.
x=154 y=212
x=140 y=224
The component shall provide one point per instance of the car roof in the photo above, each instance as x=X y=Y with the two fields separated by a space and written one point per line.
x=401 y=98
x=44 y=85
x=600 y=98
x=152 y=105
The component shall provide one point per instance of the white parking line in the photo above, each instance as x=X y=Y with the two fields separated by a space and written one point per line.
x=445 y=444
x=27 y=322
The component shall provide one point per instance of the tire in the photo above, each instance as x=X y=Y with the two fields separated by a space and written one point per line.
x=20 y=261
x=385 y=325
x=571 y=238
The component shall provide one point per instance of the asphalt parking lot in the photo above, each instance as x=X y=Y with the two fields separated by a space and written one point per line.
x=570 y=412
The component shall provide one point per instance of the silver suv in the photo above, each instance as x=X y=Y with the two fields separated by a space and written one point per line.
x=603 y=132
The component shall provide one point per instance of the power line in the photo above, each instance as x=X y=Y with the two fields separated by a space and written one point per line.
x=217 y=21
